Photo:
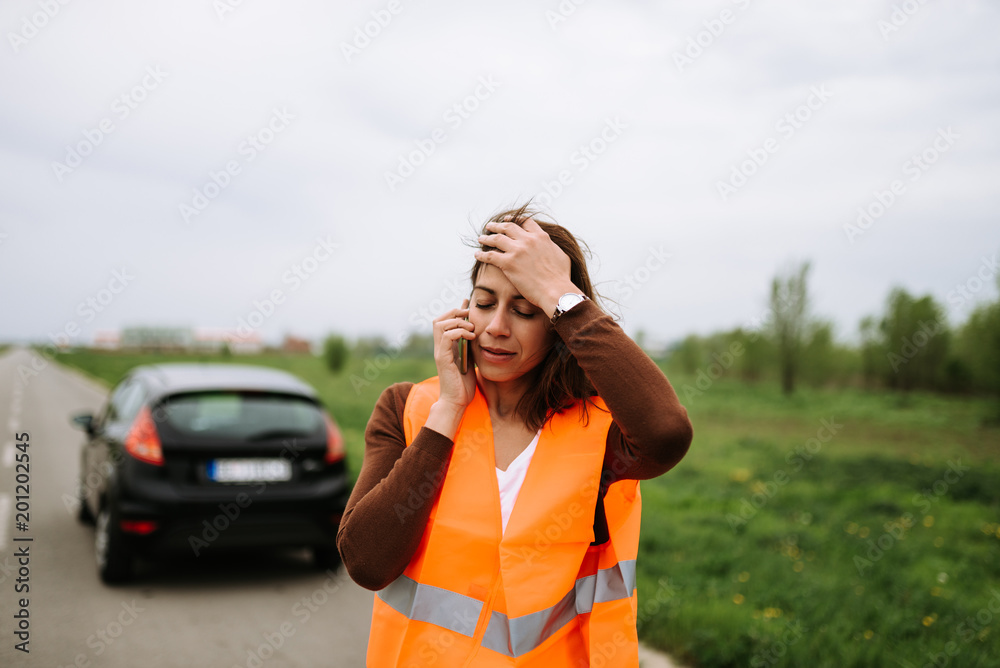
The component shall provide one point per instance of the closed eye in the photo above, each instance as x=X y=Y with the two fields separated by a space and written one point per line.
x=483 y=307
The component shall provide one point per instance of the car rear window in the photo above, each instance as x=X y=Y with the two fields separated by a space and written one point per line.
x=240 y=415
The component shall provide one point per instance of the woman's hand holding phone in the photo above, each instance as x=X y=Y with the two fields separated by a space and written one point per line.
x=452 y=332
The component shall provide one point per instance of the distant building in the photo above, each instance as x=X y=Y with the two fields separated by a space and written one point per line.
x=180 y=339
x=158 y=339
x=213 y=339
x=296 y=346
x=107 y=340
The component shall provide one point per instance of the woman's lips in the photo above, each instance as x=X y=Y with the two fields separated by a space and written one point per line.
x=496 y=355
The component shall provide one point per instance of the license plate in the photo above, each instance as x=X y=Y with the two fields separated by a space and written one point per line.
x=249 y=470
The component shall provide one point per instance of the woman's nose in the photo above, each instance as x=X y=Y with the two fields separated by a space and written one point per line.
x=498 y=325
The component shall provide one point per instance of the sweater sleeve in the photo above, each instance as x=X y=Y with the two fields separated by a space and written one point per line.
x=651 y=431
x=391 y=501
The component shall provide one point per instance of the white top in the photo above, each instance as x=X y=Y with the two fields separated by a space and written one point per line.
x=510 y=481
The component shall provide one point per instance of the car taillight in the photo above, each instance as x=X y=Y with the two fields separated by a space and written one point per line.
x=334 y=441
x=142 y=441
x=140 y=527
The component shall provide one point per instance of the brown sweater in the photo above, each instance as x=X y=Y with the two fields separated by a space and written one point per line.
x=382 y=525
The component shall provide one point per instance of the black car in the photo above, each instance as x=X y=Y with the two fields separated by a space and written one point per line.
x=197 y=457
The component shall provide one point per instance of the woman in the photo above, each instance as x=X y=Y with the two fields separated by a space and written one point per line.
x=563 y=414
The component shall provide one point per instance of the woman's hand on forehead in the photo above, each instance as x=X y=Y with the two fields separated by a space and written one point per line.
x=530 y=260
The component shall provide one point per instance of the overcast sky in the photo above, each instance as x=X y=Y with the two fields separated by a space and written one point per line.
x=180 y=163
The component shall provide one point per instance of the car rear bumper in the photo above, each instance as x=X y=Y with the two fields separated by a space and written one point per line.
x=218 y=533
x=237 y=516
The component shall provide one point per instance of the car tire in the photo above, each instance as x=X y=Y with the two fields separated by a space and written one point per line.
x=83 y=513
x=114 y=558
x=326 y=557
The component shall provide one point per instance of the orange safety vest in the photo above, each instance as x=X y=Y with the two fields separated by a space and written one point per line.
x=539 y=595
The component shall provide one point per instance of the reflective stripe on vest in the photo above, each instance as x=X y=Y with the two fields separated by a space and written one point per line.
x=511 y=637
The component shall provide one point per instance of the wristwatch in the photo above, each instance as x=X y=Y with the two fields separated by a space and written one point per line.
x=566 y=302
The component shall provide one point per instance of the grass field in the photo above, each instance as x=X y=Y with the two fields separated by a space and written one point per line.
x=835 y=528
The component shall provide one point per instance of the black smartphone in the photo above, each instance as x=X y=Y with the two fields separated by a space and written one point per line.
x=463 y=355
x=463 y=349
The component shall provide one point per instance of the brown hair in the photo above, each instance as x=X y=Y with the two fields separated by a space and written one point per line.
x=558 y=380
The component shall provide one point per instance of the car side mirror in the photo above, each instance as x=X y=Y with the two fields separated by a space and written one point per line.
x=85 y=421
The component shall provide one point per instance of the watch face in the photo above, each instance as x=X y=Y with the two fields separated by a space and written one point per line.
x=568 y=301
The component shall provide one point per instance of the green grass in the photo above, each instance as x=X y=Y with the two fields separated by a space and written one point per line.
x=762 y=548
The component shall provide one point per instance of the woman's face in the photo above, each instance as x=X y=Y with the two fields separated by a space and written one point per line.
x=512 y=334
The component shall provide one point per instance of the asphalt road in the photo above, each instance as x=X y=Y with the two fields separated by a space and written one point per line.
x=258 y=610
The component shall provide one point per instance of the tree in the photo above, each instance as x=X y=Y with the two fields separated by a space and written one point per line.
x=688 y=355
x=789 y=319
x=915 y=337
x=419 y=345
x=871 y=351
x=979 y=350
x=819 y=353
x=758 y=356
x=335 y=353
